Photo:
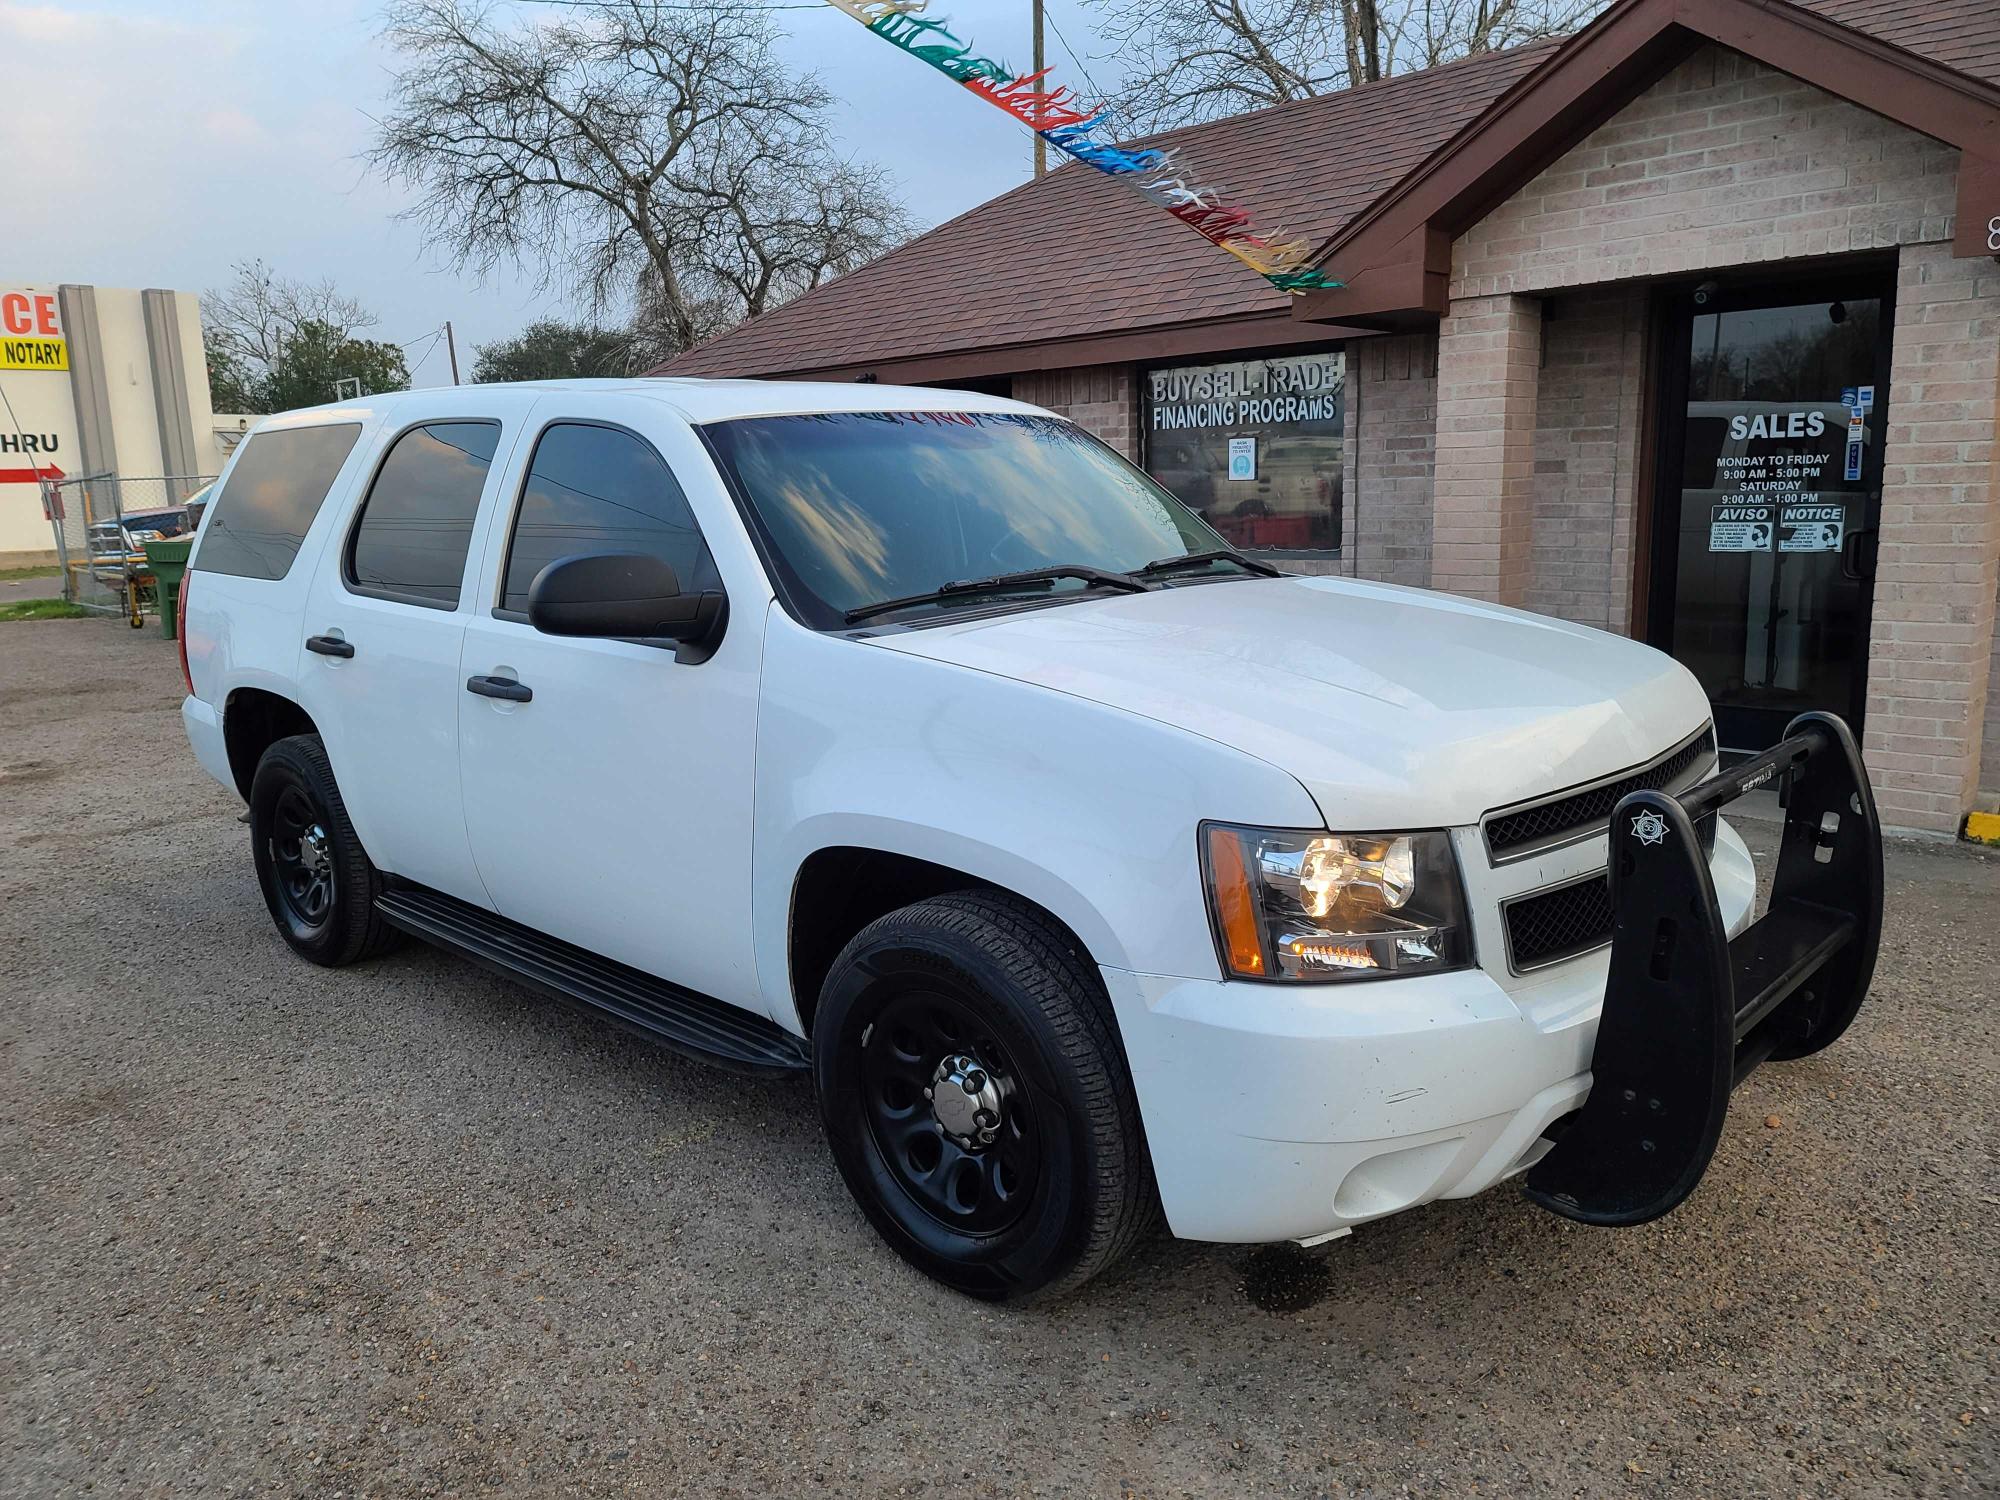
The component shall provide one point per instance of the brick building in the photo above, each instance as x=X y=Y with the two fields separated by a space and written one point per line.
x=1687 y=327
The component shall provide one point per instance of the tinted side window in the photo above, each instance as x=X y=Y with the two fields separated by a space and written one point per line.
x=596 y=489
x=280 y=481
x=416 y=523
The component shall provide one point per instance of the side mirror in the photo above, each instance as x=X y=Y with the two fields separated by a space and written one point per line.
x=626 y=595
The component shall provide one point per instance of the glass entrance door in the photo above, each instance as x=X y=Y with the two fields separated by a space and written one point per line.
x=1766 y=511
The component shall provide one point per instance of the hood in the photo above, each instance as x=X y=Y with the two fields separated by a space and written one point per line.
x=1394 y=707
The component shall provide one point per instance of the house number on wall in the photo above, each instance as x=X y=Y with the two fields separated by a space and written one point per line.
x=1993 y=233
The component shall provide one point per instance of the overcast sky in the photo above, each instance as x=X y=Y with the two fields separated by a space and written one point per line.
x=151 y=143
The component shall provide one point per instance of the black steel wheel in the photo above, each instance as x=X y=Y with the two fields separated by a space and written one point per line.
x=302 y=859
x=952 y=1115
x=976 y=1098
x=317 y=880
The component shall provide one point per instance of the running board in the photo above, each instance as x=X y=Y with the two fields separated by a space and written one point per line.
x=698 y=1025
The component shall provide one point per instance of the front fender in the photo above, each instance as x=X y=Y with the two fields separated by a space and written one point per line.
x=1088 y=810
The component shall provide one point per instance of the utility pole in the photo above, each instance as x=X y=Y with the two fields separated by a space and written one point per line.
x=1041 y=146
x=451 y=347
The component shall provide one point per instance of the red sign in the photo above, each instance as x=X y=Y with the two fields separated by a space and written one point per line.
x=24 y=313
x=29 y=476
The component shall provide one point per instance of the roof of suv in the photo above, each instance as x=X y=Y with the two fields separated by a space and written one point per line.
x=696 y=400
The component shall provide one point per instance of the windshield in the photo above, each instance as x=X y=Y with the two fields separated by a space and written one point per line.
x=860 y=507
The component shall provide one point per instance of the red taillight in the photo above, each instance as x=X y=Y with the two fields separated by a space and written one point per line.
x=181 y=630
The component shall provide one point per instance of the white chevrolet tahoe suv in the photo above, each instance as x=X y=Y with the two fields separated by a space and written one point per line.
x=915 y=740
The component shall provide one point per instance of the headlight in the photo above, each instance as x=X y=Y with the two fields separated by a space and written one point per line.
x=1319 y=906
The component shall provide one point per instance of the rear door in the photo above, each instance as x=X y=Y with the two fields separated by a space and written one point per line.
x=266 y=529
x=385 y=623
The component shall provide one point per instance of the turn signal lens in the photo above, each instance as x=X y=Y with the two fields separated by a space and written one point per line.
x=1235 y=904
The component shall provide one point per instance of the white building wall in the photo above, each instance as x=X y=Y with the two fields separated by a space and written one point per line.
x=38 y=424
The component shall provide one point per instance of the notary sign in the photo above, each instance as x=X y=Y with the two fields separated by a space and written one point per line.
x=31 y=336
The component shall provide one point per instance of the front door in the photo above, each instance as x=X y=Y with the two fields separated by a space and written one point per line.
x=1770 y=486
x=609 y=801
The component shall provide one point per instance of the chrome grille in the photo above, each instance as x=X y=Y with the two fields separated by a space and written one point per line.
x=1515 y=832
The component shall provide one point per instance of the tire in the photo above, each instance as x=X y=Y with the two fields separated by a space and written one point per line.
x=317 y=880
x=1051 y=1183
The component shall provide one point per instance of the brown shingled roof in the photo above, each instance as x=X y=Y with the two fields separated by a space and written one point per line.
x=1961 y=34
x=1077 y=256
x=1100 y=259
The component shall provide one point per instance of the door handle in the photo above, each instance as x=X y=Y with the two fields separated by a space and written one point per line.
x=500 y=687
x=328 y=645
x=1857 y=554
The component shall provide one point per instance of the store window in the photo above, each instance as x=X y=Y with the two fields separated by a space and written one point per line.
x=1254 y=446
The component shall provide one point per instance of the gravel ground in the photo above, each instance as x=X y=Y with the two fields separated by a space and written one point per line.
x=405 y=1230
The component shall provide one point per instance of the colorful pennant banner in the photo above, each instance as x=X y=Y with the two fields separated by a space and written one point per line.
x=1059 y=116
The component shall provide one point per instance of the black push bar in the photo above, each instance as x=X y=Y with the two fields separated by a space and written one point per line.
x=1689 y=1011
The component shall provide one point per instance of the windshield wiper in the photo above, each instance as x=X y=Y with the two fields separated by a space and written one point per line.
x=1001 y=583
x=1161 y=565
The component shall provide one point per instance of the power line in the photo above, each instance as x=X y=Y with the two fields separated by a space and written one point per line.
x=722 y=5
x=428 y=333
x=1097 y=92
x=1098 y=97
x=429 y=350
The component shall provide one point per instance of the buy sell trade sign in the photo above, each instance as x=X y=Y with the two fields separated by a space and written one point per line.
x=31 y=336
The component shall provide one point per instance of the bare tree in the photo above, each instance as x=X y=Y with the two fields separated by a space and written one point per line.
x=266 y=335
x=770 y=233
x=1430 y=32
x=252 y=320
x=632 y=143
x=1191 y=60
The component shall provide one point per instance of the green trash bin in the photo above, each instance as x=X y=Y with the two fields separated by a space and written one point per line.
x=168 y=562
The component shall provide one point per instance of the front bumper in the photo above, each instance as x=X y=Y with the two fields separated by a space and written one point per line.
x=1692 y=1008
x=1292 y=1112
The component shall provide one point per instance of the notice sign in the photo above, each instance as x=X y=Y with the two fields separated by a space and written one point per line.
x=1243 y=458
x=1737 y=527
x=1811 y=528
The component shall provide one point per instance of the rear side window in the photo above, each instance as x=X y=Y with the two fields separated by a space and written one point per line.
x=416 y=524
x=601 y=489
x=280 y=481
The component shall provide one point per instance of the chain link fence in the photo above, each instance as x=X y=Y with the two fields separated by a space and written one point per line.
x=99 y=522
